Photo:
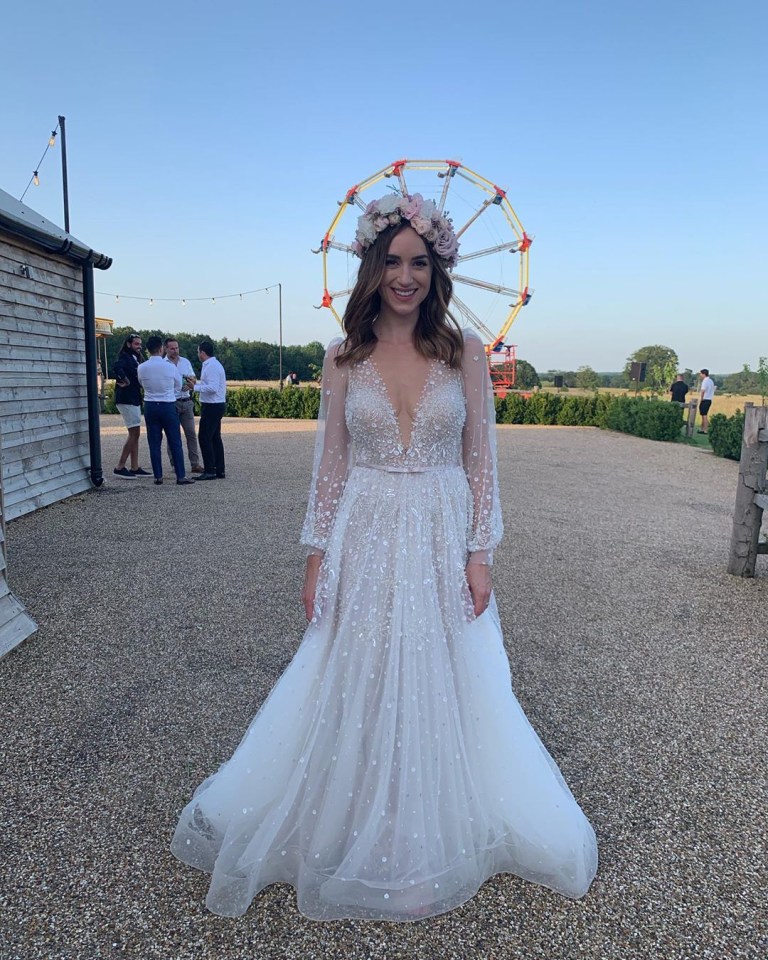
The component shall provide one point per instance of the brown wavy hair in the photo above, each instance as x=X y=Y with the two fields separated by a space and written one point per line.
x=436 y=336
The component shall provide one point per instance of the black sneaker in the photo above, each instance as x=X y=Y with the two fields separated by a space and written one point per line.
x=141 y=473
x=125 y=473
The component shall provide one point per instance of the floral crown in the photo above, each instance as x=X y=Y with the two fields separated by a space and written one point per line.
x=391 y=209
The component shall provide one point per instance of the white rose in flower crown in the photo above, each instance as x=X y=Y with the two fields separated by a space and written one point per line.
x=381 y=223
x=388 y=204
x=366 y=232
x=428 y=210
x=431 y=235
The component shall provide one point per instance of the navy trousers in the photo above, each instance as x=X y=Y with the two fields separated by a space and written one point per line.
x=163 y=418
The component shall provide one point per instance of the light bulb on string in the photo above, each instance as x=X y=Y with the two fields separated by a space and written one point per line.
x=52 y=141
x=117 y=298
x=151 y=301
x=36 y=178
x=183 y=303
x=213 y=299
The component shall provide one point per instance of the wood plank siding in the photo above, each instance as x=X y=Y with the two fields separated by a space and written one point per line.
x=43 y=394
x=15 y=623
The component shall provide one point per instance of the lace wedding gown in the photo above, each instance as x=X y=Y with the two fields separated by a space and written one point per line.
x=391 y=770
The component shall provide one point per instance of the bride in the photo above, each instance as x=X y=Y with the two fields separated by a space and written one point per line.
x=391 y=770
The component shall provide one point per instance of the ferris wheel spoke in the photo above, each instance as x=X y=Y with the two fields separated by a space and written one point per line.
x=483 y=207
x=448 y=176
x=335 y=294
x=513 y=247
x=484 y=285
x=472 y=318
x=333 y=245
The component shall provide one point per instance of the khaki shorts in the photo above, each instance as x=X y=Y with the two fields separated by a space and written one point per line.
x=130 y=413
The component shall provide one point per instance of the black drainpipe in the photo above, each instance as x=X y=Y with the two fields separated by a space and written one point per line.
x=94 y=436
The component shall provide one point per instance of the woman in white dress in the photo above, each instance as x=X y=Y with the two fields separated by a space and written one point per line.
x=391 y=770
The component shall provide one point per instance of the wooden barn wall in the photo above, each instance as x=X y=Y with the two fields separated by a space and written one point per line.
x=15 y=623
x=43 y=394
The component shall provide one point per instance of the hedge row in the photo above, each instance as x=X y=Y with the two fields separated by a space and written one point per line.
x=725 y=434
x=654 y=419
x=292 y=403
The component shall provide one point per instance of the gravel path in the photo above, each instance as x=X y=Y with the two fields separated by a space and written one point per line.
x=641 y=663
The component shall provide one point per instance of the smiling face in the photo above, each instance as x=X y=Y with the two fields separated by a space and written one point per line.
x=407 y=276
x=172 y=350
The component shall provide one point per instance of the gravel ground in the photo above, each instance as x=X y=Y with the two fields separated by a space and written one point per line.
x=166 y=615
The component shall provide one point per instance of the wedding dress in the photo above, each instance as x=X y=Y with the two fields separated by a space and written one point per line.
x=391 y=770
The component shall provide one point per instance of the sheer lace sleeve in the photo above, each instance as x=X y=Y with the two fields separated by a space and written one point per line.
x=480 y=451
x=332 y=454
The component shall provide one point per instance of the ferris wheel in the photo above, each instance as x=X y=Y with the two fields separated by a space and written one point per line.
x=493 y=254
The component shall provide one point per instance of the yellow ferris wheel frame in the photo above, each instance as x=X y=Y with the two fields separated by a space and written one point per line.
x=447 y=170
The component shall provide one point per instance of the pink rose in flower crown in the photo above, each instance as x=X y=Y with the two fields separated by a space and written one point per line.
x=446 y=245
x=421 y=226
x=412 y=206
x=381 y=223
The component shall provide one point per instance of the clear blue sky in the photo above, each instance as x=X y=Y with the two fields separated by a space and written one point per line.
x=209 y=142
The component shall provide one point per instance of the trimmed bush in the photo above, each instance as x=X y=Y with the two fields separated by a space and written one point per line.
x=725 y=434
x=648 y=418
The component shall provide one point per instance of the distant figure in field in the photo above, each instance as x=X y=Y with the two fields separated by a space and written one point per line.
x=679 y=389
x=705 y=402
x=292 y=380
x=212 y=387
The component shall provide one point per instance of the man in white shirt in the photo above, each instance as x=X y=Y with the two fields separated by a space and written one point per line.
x=705 y=401
x=184 y=404
x=161 y=381
x=212 y=387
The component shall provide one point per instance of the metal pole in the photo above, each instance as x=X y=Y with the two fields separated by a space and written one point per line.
x=94 y=437
x=280 y=312
x=64 y=183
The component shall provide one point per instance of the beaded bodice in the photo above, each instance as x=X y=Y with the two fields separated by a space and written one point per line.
x=436 y=429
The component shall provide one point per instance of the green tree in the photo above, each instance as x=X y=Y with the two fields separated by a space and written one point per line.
x=587 y=378
x=661 y=366
x=526 y=377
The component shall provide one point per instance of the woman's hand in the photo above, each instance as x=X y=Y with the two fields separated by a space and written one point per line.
x=310 y=583
x=480 y=585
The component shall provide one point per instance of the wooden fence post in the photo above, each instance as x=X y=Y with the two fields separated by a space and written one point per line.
x=750 y=493
x=692 y=406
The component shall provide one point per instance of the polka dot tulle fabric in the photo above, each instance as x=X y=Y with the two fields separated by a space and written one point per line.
x=391 y=770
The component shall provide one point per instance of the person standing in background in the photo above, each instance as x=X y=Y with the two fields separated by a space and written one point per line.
x=679 y=389
x=128 y=402
x=212 y=387
x=707 y=393
x=161 y=381
x=184 y=405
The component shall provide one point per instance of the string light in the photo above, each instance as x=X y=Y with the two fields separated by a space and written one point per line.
x=35 y=178
x=185 y=300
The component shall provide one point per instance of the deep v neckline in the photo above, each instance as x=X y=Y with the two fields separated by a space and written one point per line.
x=391 y=407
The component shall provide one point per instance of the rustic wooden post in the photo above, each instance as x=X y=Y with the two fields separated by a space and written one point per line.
x=691 y=424
x=750 y=493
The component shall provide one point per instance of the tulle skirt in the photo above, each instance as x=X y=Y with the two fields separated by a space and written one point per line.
x=391 y=770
